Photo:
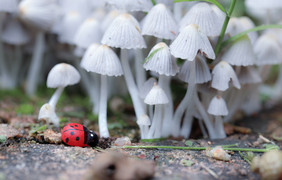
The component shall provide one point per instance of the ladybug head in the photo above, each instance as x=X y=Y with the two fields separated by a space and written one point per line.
x=92 y=139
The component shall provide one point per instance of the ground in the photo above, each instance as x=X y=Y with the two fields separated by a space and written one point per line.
x=23 y=156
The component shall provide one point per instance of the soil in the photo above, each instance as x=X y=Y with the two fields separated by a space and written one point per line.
x=25 y=157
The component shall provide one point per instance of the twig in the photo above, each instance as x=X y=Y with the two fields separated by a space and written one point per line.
x=211 y=172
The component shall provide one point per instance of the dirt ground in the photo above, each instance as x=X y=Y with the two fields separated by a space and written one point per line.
x=26 y=158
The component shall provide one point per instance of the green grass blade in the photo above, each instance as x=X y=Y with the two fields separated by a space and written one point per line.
x=258 y=28
x=152 y=54
x=210 y=1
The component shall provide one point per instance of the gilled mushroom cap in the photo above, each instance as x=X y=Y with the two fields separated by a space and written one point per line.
x=69 y=26
x=8 y=6
x=218 y=106
x=89 y=32
x=124 y=32
x=189 y=41
x=39 y=13
x=161 y=61
x=47 y=113
x=15 y=33
x=156 y=96
x=132 y=5
x=240 y=53
x=204 y=16
x=202 y=72
x=249 y=75
x=268 y=50
x=62 y=75
x=102 y=60
x=160 y=23
x=109 y=19
x=223 y=73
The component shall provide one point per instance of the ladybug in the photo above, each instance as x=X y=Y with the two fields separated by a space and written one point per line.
x=75 y=134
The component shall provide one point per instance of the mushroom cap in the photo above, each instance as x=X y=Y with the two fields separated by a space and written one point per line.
x=202 y=71
x=47 y=113
x=249 y=75
x=62 y=75
x=218 y=106
x=102 y=60
x=189 y=41
x=240 y=53
x=8 y=6
x=205 y=17
x=109 y=19
x=161 y=61
x=143 y=120
x=69 y=26
x=132 y=5
x=238 y=25
x=223 y=73
x=39 y=13
x=159 y=22
x=124 y=32
x=156 y=96
x=15 y=33
x=268 y=50
x=89 y=32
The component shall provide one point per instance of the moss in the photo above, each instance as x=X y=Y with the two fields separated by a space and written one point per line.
x=2 y=139
x=25 y=109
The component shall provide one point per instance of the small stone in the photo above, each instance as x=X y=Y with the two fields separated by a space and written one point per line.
x=8 y=131
x=51 y=137
x=218 y=153
x=123 y=141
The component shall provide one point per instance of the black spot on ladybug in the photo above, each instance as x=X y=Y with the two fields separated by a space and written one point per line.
x=77 y=138
x=76 y=125
x=67 y=140
x=71 y=126
x=72 y=133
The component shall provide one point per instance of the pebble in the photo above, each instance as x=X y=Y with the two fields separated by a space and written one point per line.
x=123 y=141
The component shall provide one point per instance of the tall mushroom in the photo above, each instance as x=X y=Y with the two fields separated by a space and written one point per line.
x=104 y=61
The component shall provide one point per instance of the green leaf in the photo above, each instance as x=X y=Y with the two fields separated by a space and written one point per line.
x=215 y=2
x=244 y=157
x=2 y=139
x=189 y=143
x=153 y=2
x=152 y=54
x=40 y=128
x=258 y=28
x=271 y=147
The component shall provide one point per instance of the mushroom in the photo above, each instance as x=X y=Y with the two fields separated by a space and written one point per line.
x=104 y=61
x=203 y=15
x=60 y=76
x=8 y=6
x=40 y=14
x=158 y=98
x=124 y=32
x=160 y=60
x=218 y=108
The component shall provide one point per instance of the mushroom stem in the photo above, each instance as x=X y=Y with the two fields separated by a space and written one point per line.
x=187 y=122
x=36 y=64
x=95 y=93
x=140 y=71
x=164 y=82
x=206 y=119
x=188 y=99
x=154 y=132
x=103 y=127
x=55 y=97
x=133 y=91
x=219 y=128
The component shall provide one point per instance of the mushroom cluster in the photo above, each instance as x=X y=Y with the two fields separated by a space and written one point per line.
x=155 y=45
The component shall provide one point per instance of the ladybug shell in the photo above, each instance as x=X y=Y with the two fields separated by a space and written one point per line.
x=73 y=134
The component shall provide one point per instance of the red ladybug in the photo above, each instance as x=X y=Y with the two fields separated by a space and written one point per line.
x=75 y=134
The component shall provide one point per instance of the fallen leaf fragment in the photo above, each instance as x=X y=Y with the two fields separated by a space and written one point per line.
x=116 y=166
x=52 y=137
x=218 y=153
